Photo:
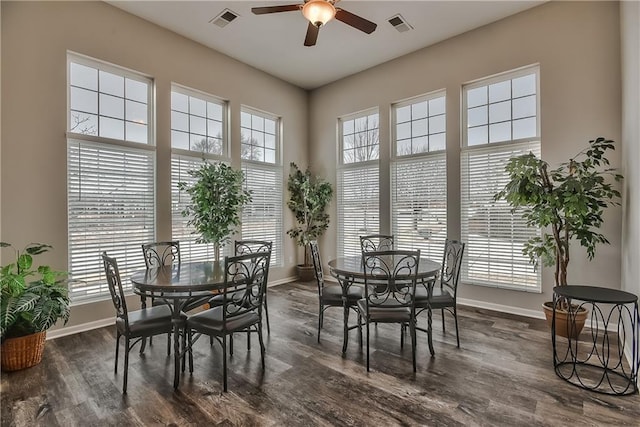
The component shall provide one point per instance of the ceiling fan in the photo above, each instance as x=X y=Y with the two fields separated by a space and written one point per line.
x=319 y=12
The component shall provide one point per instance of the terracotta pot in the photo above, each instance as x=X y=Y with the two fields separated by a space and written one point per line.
x=22 y=352
x=306 y=273
x=563 y=320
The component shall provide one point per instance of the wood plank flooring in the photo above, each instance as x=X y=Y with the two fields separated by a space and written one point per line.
x=502 y=375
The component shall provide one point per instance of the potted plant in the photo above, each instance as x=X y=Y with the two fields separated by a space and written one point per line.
x=33 y=299
x=217 y=199
x=567 y=203
x=308 y=199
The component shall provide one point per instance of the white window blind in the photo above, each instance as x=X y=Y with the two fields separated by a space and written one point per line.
x=189 y=249
x=358 y=211
x=419 y=203
x=262 y=218
x=494 y=236
x=110 y=208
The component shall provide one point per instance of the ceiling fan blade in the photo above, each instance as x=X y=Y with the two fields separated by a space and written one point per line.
x=275 y=9
x=312 y=35
x=355 y=21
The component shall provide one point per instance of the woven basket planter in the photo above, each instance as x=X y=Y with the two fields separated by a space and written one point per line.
x=22 y=352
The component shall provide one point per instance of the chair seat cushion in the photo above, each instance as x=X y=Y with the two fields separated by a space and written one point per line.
x=385 y=314
x=210 y=321
x=334 y=293
x=148 y=321
x=440 y=298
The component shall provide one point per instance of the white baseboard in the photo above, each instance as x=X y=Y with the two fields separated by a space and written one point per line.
x=536 y=314
x=76 y=329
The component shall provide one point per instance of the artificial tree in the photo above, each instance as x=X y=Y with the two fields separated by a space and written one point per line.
x=217 y=198
x=309 y=197
x=567 y=203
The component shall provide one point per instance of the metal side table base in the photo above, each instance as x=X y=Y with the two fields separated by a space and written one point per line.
x=596 y=359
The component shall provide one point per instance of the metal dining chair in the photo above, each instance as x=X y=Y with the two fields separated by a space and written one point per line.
x=241 y=307
x=444 y=291
x=134 y=326
x=376 y=242
x=333 y=295
x=157 y=254
x=243 y=247
x=390 y=286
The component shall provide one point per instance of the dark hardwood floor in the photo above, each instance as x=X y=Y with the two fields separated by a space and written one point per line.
x=502 y=375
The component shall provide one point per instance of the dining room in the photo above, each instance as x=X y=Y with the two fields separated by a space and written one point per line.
x=107 y=114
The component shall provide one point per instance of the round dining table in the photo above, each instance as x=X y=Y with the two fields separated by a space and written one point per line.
x=179 y=285
x=349 y=271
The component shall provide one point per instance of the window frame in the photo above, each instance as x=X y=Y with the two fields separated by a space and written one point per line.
x=190 y=250
x=498 y=78
x=207 y=97
x=441 y=93
x=493 y=147
x=277 y=258
x=344 y=167
x=433 y=250
x=123 y=147
x=73 y=57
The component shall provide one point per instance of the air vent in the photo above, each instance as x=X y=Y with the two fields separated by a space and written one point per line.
x=225 y=17
x=400 y=24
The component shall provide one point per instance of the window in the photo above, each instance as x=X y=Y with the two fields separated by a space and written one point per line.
x=198 y=130
x=419 y=175
x=358 y=181
x=197 y=122
x=501 y=121
x=110 y=172
x=260 y=152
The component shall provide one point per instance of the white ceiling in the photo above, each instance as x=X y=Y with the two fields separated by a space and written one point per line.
x=274 y=42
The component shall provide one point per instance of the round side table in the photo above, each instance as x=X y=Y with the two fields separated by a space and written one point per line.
x=596 y=359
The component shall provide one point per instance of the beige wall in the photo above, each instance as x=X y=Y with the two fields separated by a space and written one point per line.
x=576 y=44
x=630 y=37
x=578 y=48
x=35 y=40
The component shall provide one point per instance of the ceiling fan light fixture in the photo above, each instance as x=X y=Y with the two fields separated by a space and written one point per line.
x=318 y=12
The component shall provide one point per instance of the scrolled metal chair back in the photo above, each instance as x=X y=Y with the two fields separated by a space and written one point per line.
x=161 y=253
x=390 y=277
x=243 y=247
x=115 y=287
x=451 y=264
x=245 y=283
x=376 y=243
x=317 y=264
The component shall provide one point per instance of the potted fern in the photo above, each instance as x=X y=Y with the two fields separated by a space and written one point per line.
x=217 y=199
x=567 y=203
x=33 y=299
x=309 y=197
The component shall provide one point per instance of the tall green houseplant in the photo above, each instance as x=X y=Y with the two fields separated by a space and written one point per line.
x=567 y=203
x=217 y=198
x=309 y=197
